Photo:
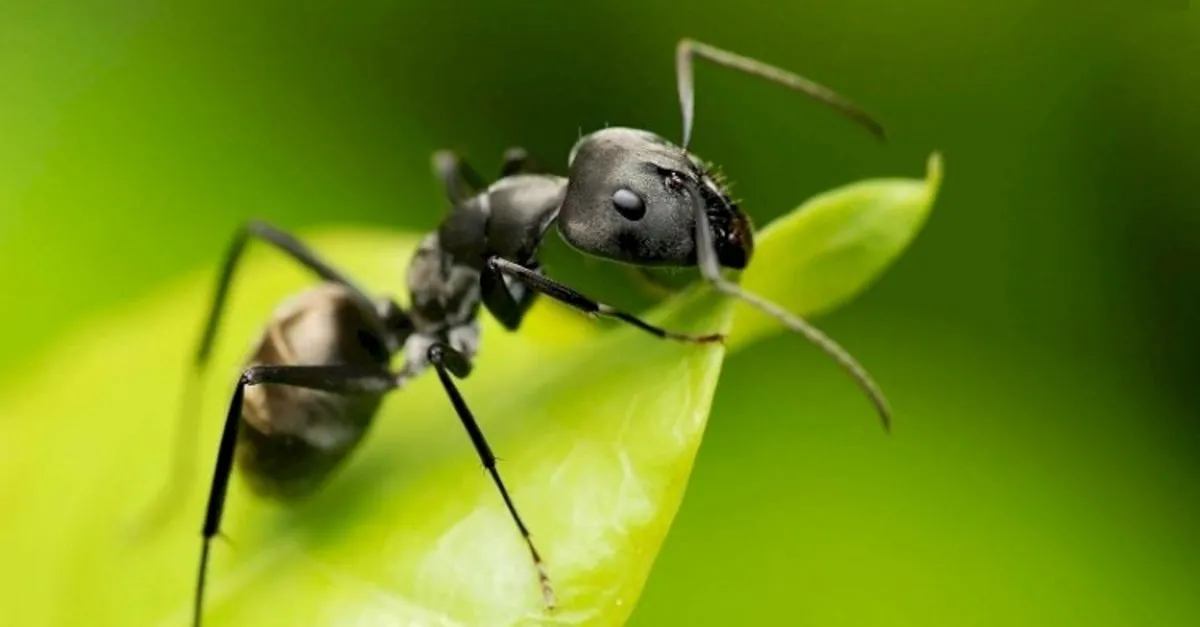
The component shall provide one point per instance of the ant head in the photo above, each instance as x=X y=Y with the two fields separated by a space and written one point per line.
x=630 y=199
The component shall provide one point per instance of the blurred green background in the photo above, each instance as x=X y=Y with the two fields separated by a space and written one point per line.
x=1039 y=342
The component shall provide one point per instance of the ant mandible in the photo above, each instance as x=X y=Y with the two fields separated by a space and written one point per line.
x=320 y=370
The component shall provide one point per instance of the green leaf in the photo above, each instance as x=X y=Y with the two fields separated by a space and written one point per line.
x=597 y=428
x=833 y=247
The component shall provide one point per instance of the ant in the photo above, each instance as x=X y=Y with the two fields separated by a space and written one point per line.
x=319 y=372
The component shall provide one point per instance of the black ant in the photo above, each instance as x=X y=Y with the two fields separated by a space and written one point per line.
x=319 y=372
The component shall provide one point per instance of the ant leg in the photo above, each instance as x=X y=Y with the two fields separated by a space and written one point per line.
x=508 y=302
x=447 y=361
x=459 y=179
x=570 y=297
x=183 y=455
x=688 y=48
x=337 y=379
x=285 y=243
x=516 y=161
x=462 y=182
x=710 y=268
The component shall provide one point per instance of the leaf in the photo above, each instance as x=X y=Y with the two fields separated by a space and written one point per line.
x=837 y=244
x=597 y=428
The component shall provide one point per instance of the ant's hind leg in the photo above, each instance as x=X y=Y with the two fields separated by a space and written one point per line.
x=336 y=379
x=165 y=504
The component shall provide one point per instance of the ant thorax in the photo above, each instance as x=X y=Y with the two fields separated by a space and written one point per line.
x=443 y=292
x=445 y=303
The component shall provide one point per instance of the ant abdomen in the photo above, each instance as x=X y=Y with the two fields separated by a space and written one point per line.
x=292 y=438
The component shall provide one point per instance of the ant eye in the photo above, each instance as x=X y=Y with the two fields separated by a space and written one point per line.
x=629 y=204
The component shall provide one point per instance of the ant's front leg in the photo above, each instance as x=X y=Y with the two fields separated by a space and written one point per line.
x=507 y=299
x=568 y=296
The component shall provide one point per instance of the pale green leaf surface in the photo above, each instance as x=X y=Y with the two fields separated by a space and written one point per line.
x=837 y=243
x=597 y=431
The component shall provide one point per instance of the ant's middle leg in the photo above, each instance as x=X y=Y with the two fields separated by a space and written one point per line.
x=447 y=362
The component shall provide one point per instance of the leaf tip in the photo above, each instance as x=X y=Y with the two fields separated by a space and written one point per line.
x=933 y=171
x=922 y=194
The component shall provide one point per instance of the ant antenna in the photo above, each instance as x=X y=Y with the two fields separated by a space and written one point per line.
x=710 y=268
x=688 y=48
